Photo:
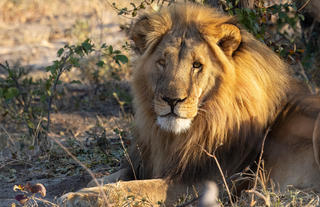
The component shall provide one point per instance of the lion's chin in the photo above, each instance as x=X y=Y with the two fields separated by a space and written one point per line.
x=174 y=124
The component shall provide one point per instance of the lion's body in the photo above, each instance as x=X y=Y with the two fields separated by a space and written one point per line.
x=235 y=114
x=202 y=85
x=292 y=148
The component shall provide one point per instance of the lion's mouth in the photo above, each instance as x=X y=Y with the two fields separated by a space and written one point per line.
x=170 y=114
x=173 y=123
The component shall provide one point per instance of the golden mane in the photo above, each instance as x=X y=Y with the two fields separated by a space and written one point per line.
x=232 y=120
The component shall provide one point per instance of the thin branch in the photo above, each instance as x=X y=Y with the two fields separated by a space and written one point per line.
x=127 y=156
x=304 y=5
x=84 y=167
x=221 y=172
x=14 y=161
x=258 y=168
x=45 y=201
x=54 y=88
x=9 y=136
x=260 y=195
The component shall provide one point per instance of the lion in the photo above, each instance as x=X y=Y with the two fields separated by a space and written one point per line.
x=203 y=85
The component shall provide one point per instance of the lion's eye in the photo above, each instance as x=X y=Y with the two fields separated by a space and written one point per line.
x=161 y=62
x=197 y=65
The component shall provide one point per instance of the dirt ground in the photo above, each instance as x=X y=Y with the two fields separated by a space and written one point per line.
x=31 y=33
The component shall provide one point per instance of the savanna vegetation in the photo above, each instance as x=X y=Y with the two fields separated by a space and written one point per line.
x=65 y=103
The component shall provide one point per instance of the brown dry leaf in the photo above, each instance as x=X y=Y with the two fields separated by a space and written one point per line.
x=37 y=188
x=22 y=199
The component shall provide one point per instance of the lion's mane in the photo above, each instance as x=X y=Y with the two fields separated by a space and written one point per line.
x=230 y=123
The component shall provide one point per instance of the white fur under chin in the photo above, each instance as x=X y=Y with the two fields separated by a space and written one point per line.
x=174 y=124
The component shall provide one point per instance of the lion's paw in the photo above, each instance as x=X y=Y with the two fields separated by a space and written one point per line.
x=79 y=199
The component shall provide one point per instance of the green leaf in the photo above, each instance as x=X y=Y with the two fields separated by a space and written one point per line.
x=134 y=13
x=78 y=50
x=142 y=6
x=74 y=61
x=60 y=52
x=48 y=84
x=43 y=98
x=110 y=48
x=133 y=5
x=282 y=15
x=11 y=93
x=30 y=124
x=104 y=45
x=87 y=46
x=48 y=68
x=100 y=63
x=116 y=130
x=122 y=58
x=117 y=52
x=11 y=73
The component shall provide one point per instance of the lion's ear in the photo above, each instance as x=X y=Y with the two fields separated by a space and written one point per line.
x=149 y=30
x=229 y=38
x=139 y=33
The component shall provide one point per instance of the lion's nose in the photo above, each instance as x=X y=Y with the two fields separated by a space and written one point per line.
x=172 y=101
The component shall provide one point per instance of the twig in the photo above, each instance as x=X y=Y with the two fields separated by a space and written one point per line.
x=45 y=201
x=260 y=195
x=9 y=136
x=304 y=5
x=37 y=131
x=54 y=88
x=84 y=167
x=14 y=161
x=258 y=167
x=221 y=172
x=127 y=156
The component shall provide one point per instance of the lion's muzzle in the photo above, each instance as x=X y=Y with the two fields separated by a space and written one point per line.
x=172 y=102
x=174 y=114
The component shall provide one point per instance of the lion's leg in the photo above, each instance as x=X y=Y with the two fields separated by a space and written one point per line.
x=122 y=174
x=139 y=192
x=292 y=152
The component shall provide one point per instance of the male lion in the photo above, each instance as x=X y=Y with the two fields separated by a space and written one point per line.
x=203 y=85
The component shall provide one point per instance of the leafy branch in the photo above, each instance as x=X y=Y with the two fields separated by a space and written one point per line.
x=31 y=101
x=69 y=57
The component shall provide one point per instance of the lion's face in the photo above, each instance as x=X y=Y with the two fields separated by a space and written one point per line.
x=181 y=70
x=183 y=63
